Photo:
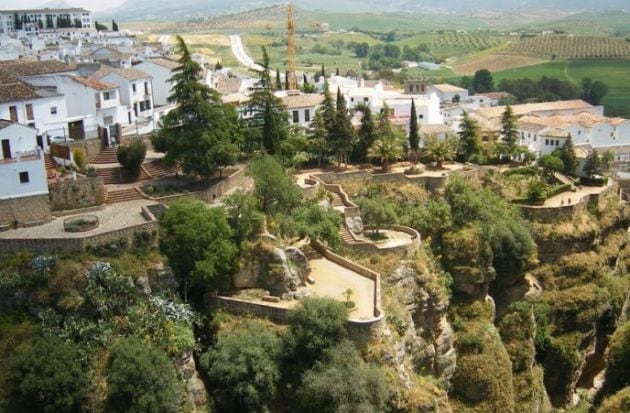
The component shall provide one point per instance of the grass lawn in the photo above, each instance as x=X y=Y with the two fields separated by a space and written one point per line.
x=612 y=72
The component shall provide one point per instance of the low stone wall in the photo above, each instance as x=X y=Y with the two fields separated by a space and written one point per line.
x=244 y=307
x=24 y=212
x=549 y=215
x=310 y=188
x=237 y=179
x=430 y=183
x=41 y=245
x=80 y=193
x=91 y=147
x=351 y=209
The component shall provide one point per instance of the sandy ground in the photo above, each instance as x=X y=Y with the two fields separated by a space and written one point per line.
x=113 y=217
x=331 y=280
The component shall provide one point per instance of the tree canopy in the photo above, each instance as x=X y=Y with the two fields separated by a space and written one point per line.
x=469 y=143
x=141 y=379
x=482 y=81
x=200 y=133
x=274 y=189
x=414 y=134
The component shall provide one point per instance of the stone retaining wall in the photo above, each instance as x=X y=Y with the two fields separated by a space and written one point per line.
x=41 y=245
x=310 y=188
x=76 y=194
x=244 y=307
x=24 y=212
x=549 y=215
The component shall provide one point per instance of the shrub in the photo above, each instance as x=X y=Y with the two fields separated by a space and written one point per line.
x=80 y=159
x=131 y=156
x=47 y=376
x=141 y=378
x=618 y=368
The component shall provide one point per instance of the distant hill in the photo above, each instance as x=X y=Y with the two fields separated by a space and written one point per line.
x=184 y=9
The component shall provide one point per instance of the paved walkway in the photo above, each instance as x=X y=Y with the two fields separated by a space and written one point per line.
x=575 y=197
x=331 y=280
x=111 y=218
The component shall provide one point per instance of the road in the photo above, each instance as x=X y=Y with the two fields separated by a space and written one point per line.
x=241 y=55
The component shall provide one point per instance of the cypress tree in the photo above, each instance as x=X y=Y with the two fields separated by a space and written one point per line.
x=413 y=128
x=337 y=72
x=469 y=144
x=342 y=131
x=509 y=130
x=593 y=164
x=114 y=26
x=278 y=82
x=569 y=159
x=323 y=72
x=304 y=78
x=365 y=135
x=286 y=80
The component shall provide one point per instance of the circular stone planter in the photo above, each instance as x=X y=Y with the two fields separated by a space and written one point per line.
x=81 y=223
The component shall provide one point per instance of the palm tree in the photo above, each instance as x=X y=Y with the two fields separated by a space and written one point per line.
x=387 y=148
x=440 y=150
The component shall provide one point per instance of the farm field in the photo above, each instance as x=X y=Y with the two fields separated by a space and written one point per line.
x=612 y=72
x=494 y=63
x=568 y=47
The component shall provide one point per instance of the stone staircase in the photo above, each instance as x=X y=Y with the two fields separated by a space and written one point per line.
x=110 y=175
x=123 y=195
x=105 y=156
x=49 y=162
x=157 y=169
x=336 y=200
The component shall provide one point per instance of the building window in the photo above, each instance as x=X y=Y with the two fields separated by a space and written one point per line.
x=546 y=142
x=109 y=95
x=147 y=104
x=146 y=88
x=53 y=110
x=351 y=99
x=142 y=106
x=133 y=87
x=296 y=116
x=13 y=113
x=24 y=177
x=29 y=111
x=366 y=99
x=307 y=115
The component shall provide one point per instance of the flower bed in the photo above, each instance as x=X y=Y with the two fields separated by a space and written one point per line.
x=81 y=223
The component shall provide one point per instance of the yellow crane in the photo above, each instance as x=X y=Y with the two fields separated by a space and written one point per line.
x=291 y=48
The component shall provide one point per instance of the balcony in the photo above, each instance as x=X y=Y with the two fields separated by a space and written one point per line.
x=23 y=156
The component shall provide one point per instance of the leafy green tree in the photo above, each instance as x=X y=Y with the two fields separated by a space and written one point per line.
x=536 y=189
x=569 y=159
x=46 y=375
x=317 y=223
x=432 y=219
x=439 y=150
x=197 y=241
x=243 y=367
x=551 y=163
x=132 y=155
x=388 y=144
x=243 y=214
x=343 y=382
x=199 y=131
x=593 y=92
x=414 y=137
x=607 y=159
x=141 y=378
x=469 y=143
x=482 y=81
x=99 y=27
x=618 y=366
x=316 y=325
x=269 y=114
x=365 y=135
x=378 y=213
x=274 y=189
x=317 y=141
x=342 y=133
x=593 y=164
x=509 y=131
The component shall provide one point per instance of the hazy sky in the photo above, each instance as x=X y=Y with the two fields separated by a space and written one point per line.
x=88 y=4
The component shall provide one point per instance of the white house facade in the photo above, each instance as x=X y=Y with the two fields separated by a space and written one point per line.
x=161 y=70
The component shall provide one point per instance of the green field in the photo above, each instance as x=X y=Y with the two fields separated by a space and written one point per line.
x=615 y=73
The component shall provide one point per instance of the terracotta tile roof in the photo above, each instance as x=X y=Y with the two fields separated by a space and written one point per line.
x=167 y=63
x=529 y=108
x=128 y=74
x=302 y=101
x=584 y=119
x=21 y=68
x=495 y=95
x=485 y=124
x=93 y=83
x=434 y=129
x=12 y=89
x=228 y=86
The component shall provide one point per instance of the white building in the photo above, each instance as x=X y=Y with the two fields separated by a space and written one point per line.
x=136 y=93
x=161 y=70
x=21 y=162
x=301 y=108
x=31 y=21
x=448 y=93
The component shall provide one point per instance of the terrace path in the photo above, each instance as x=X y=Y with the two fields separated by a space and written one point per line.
x=331 y=280
x=575 y=197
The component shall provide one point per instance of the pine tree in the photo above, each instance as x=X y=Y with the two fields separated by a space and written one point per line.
x=365 y=135
x=414 y=138
x=328 y=108
x=593 y=164
x=269 y=121
x=342 y=131
x=114 y=26
x=278 y=81
x=200 y=132
x=469 y=144
x=569 y=158
x=318 y=137
x=509 y=131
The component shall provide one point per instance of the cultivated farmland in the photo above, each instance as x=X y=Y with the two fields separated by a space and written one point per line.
x=572 y=47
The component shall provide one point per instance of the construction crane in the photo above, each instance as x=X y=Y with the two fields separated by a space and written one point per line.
x=291 y=48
